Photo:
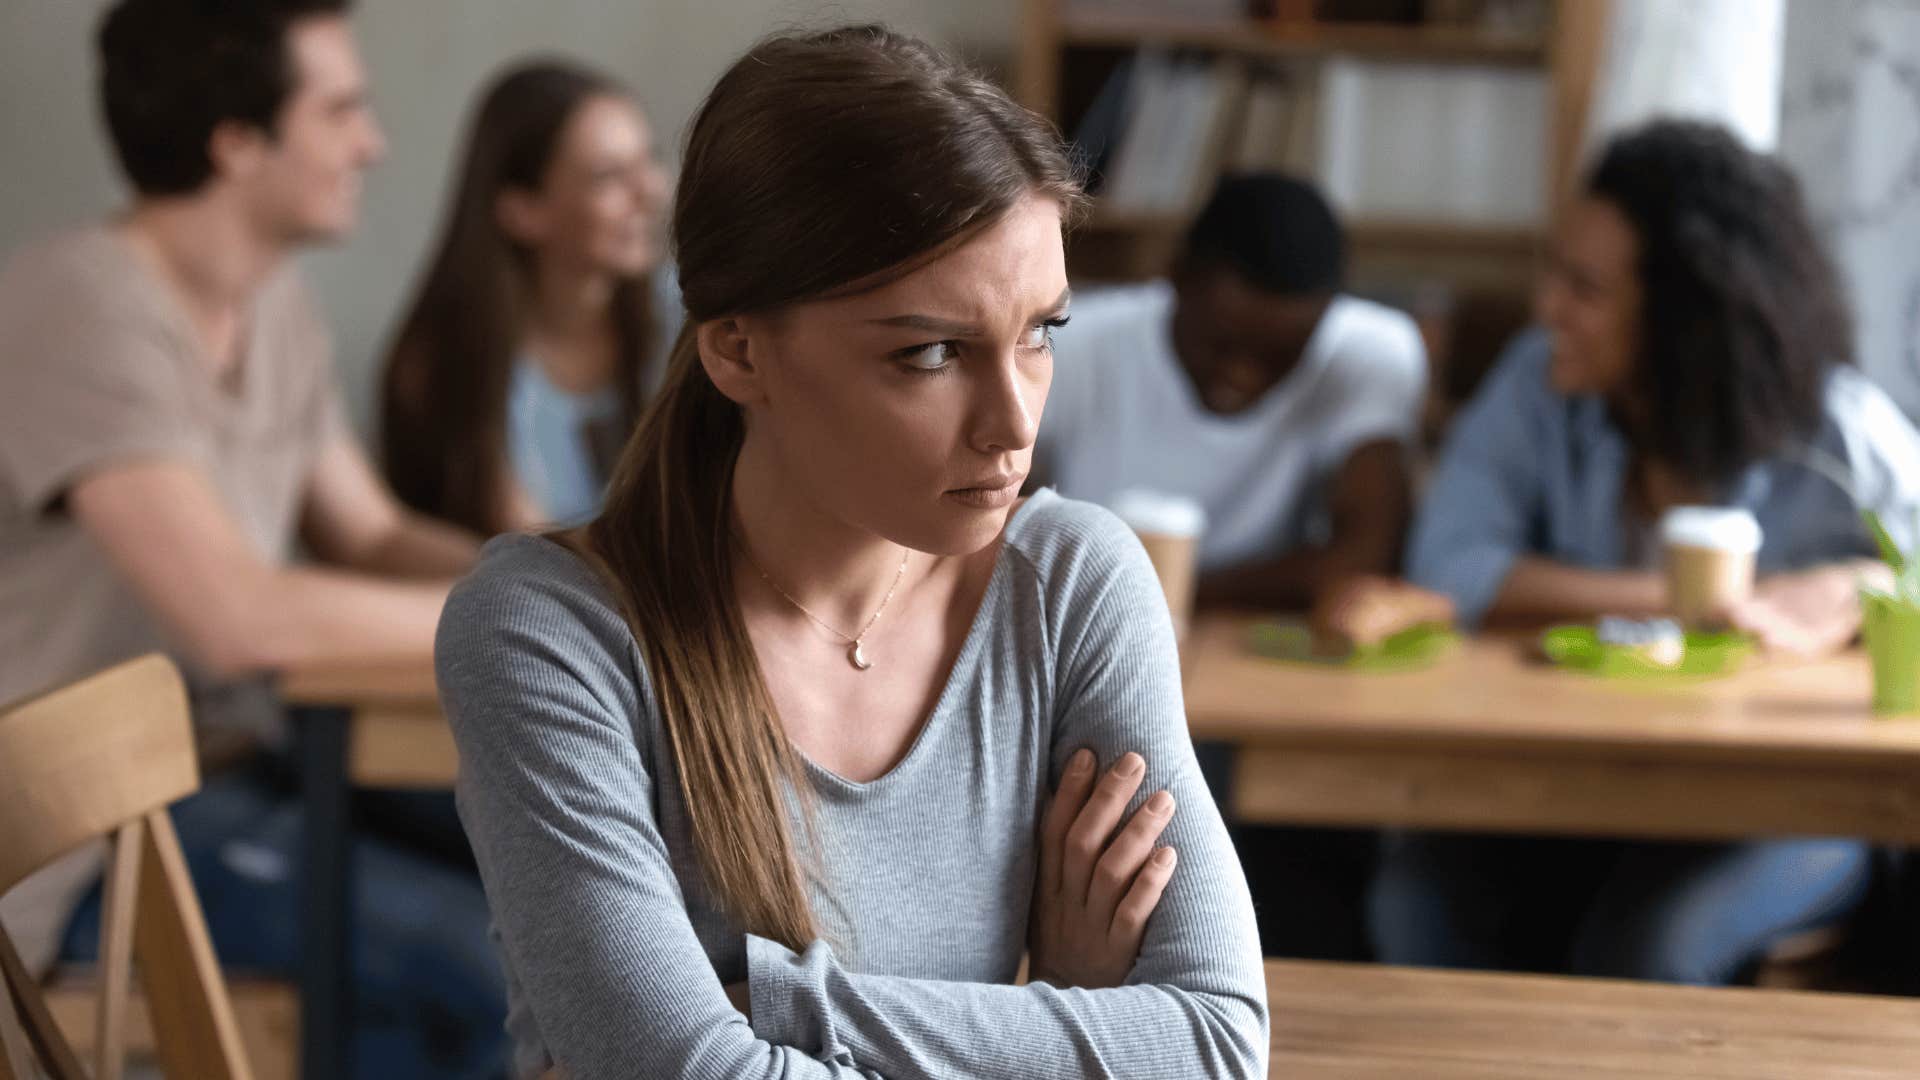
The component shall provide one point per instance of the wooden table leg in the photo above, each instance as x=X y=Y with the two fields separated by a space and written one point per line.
x=326 y=945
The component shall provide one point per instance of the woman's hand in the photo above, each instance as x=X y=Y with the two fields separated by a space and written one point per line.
x=1807 y=612
x=1094 y=888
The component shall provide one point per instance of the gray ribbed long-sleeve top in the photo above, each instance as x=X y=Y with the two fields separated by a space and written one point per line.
x=617 y=954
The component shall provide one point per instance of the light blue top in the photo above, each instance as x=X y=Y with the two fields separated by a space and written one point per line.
x=547 y=444
x=1528 y=471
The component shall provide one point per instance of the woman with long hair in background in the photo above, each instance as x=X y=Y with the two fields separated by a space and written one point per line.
x=521 y=366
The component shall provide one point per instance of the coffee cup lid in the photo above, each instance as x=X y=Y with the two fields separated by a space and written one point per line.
x=1722 y=528
x=1159 y=512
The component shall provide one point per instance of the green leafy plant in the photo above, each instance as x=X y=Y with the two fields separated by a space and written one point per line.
x=1890 y=623
x=1906 y=570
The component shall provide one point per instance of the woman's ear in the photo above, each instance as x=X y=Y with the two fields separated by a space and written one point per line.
x=728 y=355
x=519 y=214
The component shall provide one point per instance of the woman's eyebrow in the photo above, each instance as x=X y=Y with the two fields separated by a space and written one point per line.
x=953 y=328
x=932 y=325
x=1058 y=306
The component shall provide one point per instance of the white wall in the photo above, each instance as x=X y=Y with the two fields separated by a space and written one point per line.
x=1850 y=123
x=427 y=58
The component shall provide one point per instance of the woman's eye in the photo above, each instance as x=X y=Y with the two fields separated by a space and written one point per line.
x=931 y=358
x=1040 y=334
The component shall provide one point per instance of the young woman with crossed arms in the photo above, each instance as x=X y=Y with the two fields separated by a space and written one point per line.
x=780 y=765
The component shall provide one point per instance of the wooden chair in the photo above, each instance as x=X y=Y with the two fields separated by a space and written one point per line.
x=103 y=758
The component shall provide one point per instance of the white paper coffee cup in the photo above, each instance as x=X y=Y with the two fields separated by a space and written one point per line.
x=1169 y=527
x=1710 y=553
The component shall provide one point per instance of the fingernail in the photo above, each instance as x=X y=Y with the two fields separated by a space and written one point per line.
x=1133 y=764
x=1082 y=761
x=1164 y=857
x=1161 y=803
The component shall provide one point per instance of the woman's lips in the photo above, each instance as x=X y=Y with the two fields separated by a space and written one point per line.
x=992 y=497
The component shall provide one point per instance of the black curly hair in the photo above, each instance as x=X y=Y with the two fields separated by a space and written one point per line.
x=173 y=70
x=1742 y=313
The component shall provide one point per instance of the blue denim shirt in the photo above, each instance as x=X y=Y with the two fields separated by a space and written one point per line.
x=1527 y=471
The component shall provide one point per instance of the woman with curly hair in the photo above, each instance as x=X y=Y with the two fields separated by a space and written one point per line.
x=1695 y=350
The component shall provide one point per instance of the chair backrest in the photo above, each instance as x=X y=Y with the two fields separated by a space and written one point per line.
x=103 y=758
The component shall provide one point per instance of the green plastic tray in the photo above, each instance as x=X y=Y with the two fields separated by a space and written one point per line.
x=1290 y=640
x=1708 y=654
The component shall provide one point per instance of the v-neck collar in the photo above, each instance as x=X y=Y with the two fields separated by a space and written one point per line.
x=231 y=387
x=978 y=631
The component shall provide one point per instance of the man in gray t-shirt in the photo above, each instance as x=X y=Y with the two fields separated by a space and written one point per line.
x=107 y=380
x=169 y=427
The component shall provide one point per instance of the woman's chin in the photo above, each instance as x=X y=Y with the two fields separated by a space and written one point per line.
x=961 y=530
x=1568 y=377
x=631 y=260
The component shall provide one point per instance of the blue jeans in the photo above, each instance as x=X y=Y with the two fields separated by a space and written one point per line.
x=1687 y=913
x=431 y=997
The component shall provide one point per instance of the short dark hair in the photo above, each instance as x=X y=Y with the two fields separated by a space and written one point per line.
x=172 y=70
x=1742 y=313
x=1276 y=231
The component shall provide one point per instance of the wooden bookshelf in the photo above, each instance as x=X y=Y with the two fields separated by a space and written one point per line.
x=1107 y=219
x=1065 y=47
x=1497 y=240
x=1414 y=235
x=1393 y=254
x=1282 y=39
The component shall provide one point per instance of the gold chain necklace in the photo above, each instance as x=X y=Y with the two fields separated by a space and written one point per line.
x=855 y=655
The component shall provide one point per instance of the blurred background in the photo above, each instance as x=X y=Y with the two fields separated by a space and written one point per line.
x=1447 y=135
x=1441 y=129
x=427 y=60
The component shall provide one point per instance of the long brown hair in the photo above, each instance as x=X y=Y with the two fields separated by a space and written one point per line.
x=444 y=397
x=819 y=162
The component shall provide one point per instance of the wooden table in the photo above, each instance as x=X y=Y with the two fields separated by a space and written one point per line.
x=1351 y=1020
x=1488 y=740
x=1485 y=740
x=396 y=735
x=374 y=724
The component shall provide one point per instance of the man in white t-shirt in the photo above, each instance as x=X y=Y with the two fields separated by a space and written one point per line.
x=1251 y=383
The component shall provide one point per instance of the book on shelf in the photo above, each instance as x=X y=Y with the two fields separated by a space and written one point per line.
x=1163 y=129
x=1146 y=130
x=1497 y=16
x=1210 y=10
x=1216 y=93
x=1266 y=126
x=1426 y=142
x=1275 y=132
x=1096 y=140
x=1388 y=141
x=1174 y=121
